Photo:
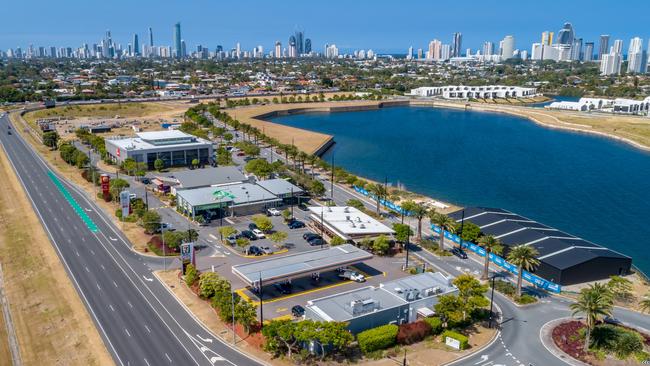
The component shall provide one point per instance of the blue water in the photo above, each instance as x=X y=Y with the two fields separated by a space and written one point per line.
x=557 y=98
x=588 y=186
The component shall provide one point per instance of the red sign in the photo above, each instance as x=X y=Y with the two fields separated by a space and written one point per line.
x=117 y=151
x=105 y=181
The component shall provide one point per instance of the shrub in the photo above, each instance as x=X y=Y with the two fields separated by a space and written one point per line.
x=464 y=341
x=413 y=332
x=505 y=287
x=378 y=338
x=525 y=299
x=436 y=325
x=337 y=240
x=191 y=275
x=208 y=284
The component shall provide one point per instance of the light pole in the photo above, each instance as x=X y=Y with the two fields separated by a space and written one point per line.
x=408 y=242
x=234 y=335
x=332 y=181
x=492 y=299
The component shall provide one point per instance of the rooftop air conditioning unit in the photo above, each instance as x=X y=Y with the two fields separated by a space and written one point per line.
x=346 y=209
x=362 y=226
x=358 y=219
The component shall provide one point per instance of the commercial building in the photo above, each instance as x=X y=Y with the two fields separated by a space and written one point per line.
x=564 y=259
x=282 y=189
x=618 y=105
x=468 y=92
x=174 y=148
x=347 y=222
x=396 y=302
x=200 y=178
x=299 y=265
x=233 y=199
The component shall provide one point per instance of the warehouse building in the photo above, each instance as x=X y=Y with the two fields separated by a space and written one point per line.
x=395 y=302
x=347 y=222
x=201 y=178
x=564 y=259
x=174 y=148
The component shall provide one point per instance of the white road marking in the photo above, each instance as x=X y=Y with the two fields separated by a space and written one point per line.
x=170 y=360
x=111 y=307
x=92 y=252
x=147 y=362
x=114 y=283
x=112 y=238
x=88 y=210
x=87 y=270
x=99 y=288
x=101 y=265
x=131 y=306
x=76 y=252
x=147 y=279
x=147 y=328
x=127 y=332
x=483 y=359
x=209 y=340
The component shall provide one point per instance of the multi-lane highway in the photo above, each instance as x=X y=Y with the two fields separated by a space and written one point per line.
x=140 y=322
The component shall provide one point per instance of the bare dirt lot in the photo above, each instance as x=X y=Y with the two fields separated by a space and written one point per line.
x=52 y=325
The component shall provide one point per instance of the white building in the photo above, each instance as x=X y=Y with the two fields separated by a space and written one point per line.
x=636 y=57
x=507 y=47
x=467 y=92
x=610 y=64
x=347 y=222
x=618 y=105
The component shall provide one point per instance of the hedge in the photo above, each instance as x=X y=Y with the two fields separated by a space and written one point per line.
x=464 y=341
x=413 y=332
x=378 y=338
x=436 y=325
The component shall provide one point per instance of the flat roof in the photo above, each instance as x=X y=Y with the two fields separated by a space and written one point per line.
x=348 y=221
x=238 y=194
x=171 y=138
x=279 y=186
x=297 y=265
x=422 y=282
x=339 y=307
x=160 y=135
x=207 y=176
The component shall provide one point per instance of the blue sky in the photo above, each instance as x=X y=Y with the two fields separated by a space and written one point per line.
x=352 y=24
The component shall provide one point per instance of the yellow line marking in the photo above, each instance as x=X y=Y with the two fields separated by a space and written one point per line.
x=243 y=295
x=280 y=310
x=282 y=317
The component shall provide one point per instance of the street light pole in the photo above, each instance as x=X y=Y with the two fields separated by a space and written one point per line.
x=261 y=304
x=492 y=300
x=332 y=181
x=291 y=202
x=234 y=336
x=408 y=242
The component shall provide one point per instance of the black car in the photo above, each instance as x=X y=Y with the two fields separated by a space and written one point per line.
x=248 y=235
x=310 y=236
x=283 y=288
x=459 y=253
x=296 y=224
x=253 y=250
x=316 y=241
x=145 y=180
x=298 y=311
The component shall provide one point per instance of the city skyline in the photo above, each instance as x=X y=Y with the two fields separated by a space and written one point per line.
x=360 y=27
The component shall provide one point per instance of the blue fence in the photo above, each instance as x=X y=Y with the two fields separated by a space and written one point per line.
x=499 y=261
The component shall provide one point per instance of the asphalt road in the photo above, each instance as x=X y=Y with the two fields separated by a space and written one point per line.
x=140 y=322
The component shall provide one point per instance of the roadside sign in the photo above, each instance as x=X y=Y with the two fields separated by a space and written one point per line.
x=125 y=203
x=453 y=343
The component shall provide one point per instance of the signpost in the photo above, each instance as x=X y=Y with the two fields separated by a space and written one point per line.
x=187 y=255
x=106 y=185
x=125 y=203
x=453 y=343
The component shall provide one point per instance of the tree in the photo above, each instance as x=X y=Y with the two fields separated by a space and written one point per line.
x=260 y=167
x=226 y=231
x=286 y=215
x=280 y=337
x=419 y=212
x=316 y=187
x=263 y=223
x=491 y=245
x=173 y=239
x=208 y=284
x=381 y=244
x=117 y=185
x=242 y=242
x=228 y=137
x=402 y=232
x=644 y=304
x=620 y=287
x=150 y=221
x=450 y=309
x=192 y=235
x=51 y=139
x=525 y=258
x=159 y=164
x=245 y=314
x=594 y=302
x=191 y=274
x=470 y=292
x=353 y=202
x=470 y=231
x=380 y=192
x=445 y=223
x=337 y=240
x=278 y=237
x=81 y=159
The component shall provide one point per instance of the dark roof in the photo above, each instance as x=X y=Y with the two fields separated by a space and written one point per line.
x=555 y=247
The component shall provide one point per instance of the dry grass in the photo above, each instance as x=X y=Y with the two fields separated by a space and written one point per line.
x=99 y=111
x=5 y=352
x=52 y=325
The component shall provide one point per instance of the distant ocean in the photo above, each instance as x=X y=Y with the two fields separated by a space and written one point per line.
x=588 y=186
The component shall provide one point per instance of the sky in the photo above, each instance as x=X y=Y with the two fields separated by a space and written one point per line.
x=384 y=26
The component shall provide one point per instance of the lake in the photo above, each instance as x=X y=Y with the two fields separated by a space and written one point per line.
x=588 y=186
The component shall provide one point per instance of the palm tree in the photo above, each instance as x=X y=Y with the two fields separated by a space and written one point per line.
x=525 y=258
x=645 y=303
x=593 y=302
x=380 y=191
x=445 y=223
x=491 y=245
x=312 y=162
x=418 y=211
x=302 y=156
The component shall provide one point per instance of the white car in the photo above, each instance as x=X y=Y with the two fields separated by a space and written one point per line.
x=258 y=233
x=352 y=276
x=273 y=211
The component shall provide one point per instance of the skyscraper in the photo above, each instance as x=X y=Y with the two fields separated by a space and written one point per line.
x=435 y=47
x=150 y=37
x=278 y=49
x=456 y=45
x=300 y=45
x=488 y=49
x=603 y=47
x=566 y=34
x=617 y=47
x=307 y=46
x=409 y=53
x=636 y=57
x=177 y=40
x=136 y=45
x=589 y=52
x=547 y=38
x=576 y=49
x=507 y=47
x=293 y=48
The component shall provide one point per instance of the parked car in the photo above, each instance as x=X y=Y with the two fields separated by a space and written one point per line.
x=316 y=241
x=303 y=207
x=352 y=276
x=296 y=224
x=459 y=253
x=145 y=180
x=232 y=239
x=258 y=233
x=283 y=288
x=241 y=153
x=252 y=226
x=310 y=236
x=266 y=250
x=248 y=235
x=273 y=211
x=298 y=311
x=254 y=250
